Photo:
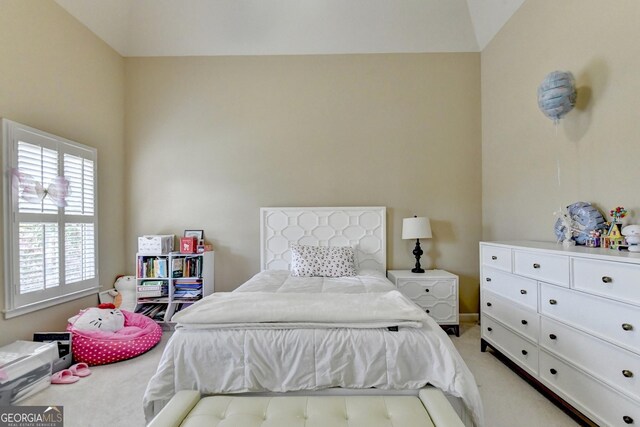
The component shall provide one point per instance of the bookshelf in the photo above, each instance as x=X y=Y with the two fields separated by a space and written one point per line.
x=166 y=284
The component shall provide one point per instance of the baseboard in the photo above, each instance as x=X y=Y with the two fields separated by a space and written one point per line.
x=469 y=317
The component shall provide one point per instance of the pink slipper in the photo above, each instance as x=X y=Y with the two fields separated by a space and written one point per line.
x=80 y=369
x=64 y=377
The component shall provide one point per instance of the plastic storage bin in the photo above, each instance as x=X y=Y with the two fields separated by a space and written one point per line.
x=155 y=245
x=25 y=368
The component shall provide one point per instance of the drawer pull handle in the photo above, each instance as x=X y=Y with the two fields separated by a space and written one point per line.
x=426 y=290
x=489 y=304
x=428 y=311
x=553 y=302
x=488 y=279
x=606 y=279
x=493 y=257
x=553 y=336
x=627 y=373
x=524 y=352
x=524 y=322
x=627 y=419
x=627 y=327
x=553 y=371
x=523 y=291
x=489 y=329
x=536 y=265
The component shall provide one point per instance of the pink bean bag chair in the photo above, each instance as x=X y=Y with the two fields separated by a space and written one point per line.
x=100 y=347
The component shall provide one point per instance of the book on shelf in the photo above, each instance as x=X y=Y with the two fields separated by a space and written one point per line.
x=154 y=311
x=187 y=294
x=177 y=265
x=152 y=267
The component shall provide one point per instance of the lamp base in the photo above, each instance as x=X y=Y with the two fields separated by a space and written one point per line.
x=417 y=252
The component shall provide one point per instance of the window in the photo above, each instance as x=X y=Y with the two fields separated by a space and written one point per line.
x=51 y=220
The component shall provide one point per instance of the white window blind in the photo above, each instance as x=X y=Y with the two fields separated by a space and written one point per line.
x=50 y=248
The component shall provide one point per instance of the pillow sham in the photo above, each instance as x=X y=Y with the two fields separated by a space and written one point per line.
x=306 y=261
x=339 y=261
x=322 y=261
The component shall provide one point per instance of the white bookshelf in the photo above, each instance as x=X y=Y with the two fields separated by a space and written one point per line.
x=163 y=305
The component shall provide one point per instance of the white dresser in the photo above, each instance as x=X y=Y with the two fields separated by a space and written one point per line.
x=435 y=291
x=570 y=319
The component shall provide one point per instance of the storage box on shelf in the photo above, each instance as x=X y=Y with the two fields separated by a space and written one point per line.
x=165 y=284
x=570 y=319
x=435 y=291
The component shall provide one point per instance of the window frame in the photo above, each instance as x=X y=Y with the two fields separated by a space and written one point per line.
x=17 y=304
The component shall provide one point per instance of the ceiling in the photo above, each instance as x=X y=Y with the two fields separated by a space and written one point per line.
x=292 y=27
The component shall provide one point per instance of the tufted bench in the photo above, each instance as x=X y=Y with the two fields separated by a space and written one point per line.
x=429 y=409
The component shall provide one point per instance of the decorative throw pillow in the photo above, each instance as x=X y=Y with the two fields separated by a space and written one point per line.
x=98 y=319
x=338 y=261
x=306 y=260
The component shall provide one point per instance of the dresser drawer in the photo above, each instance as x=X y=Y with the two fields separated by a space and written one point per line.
x=442 y=311
x=610 y=320
x=518 y=349
x=496 y=257
x=525 y=322
x=611 y=279
x=594 y=399
x=544 y=267
x=435 y=288
x=519 y=289
x=611 y=364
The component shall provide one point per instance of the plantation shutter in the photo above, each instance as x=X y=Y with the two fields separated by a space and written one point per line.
x=52 y=252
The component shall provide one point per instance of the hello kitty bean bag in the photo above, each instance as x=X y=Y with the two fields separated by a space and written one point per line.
x=98 y=339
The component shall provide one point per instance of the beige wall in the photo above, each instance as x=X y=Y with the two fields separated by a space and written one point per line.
x=57 y=76
x=210 y=140
x=597 y=145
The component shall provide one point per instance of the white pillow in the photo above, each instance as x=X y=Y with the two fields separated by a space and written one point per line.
x=338 y=261
x=306 y=261
x=98 y=319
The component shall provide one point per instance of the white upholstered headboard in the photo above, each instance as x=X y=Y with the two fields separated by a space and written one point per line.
x=363 y=228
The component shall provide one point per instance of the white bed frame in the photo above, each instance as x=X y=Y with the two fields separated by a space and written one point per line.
x=363 y=228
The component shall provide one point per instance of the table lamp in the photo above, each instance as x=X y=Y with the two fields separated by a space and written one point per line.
x=416 y=228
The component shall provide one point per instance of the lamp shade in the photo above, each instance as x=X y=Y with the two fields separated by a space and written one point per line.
x=416 y=228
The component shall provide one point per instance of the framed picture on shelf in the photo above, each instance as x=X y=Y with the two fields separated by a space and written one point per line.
x=198 y=234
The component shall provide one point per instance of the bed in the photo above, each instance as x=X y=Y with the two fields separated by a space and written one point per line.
x=327 y=335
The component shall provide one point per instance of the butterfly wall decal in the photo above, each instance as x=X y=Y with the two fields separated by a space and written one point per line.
x=32 y=191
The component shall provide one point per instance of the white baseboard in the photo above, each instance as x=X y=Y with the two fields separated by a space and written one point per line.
x=469 y=317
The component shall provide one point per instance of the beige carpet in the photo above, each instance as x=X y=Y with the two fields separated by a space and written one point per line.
x=112 y=395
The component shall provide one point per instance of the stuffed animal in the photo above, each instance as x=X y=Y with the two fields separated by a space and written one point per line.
x=98 y=319
x=126 y=290
x=632 y=234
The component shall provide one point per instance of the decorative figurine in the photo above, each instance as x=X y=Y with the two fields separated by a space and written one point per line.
x=632 y=234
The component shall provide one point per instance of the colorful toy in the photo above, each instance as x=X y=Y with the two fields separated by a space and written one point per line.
x=617 y=214
x=613 y=238
x=593 y=240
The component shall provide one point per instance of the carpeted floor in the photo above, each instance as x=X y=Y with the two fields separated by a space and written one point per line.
x=112 y=395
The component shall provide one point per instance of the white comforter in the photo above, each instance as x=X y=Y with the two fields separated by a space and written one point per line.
x=224 y=360
x=292 y=310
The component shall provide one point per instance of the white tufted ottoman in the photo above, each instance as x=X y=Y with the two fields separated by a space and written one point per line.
x=429 y=409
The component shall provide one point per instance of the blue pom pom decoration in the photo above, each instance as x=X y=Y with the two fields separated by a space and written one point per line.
x=587 y=216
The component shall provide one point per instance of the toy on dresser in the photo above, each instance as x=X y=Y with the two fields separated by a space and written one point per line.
x=632 y=235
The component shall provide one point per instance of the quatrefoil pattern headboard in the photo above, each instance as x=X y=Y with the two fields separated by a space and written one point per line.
x=364 y=229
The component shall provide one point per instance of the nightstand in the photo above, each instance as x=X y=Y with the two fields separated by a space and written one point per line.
x=435 y=291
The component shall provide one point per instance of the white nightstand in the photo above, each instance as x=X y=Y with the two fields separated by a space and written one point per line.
x=436 y=291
